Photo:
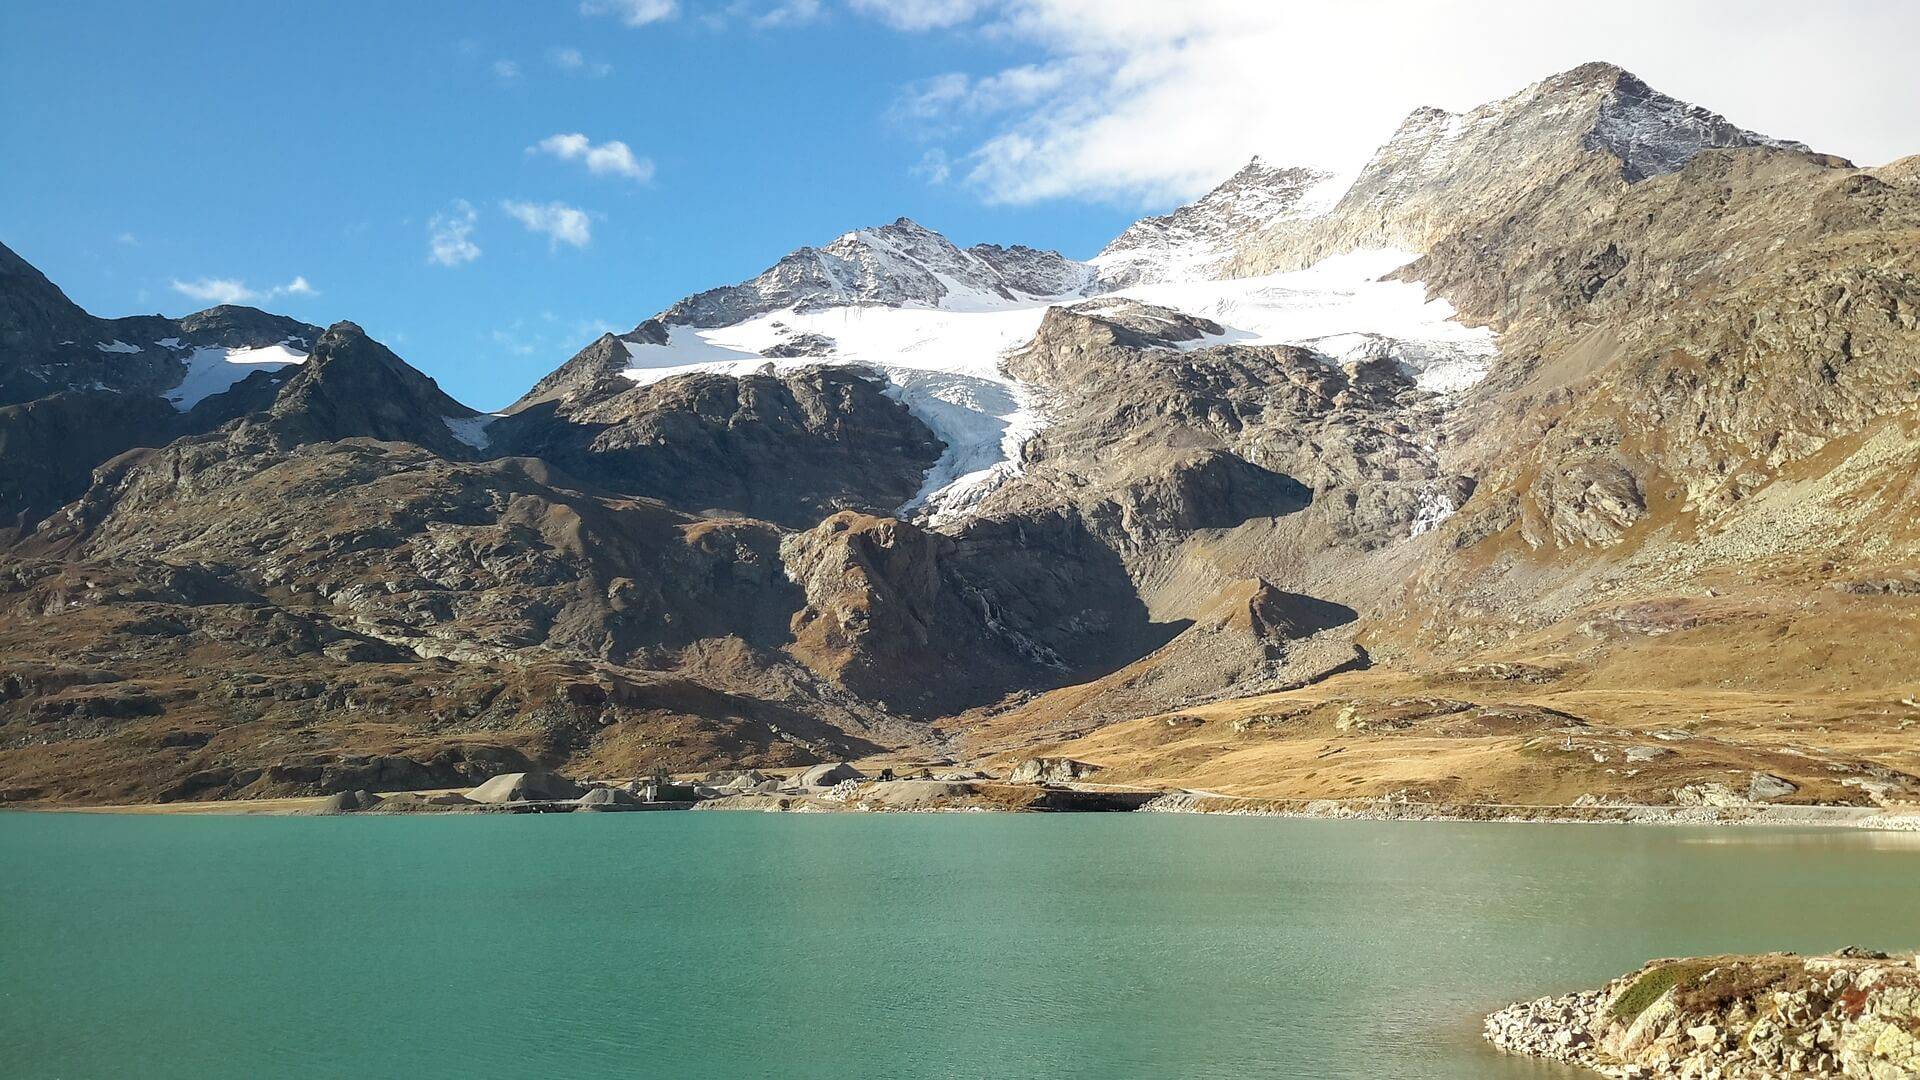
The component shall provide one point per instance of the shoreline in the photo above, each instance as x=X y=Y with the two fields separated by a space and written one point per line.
x=1762 y=1016
x=1899 y=819
x=1828 y=816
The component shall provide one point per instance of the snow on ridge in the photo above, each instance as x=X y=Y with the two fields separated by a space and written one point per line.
x=1195 y=241
x=1344 y=308
x=471 y=430
x=942 y=364
x=945 y=365
x=215 y=369
x=116 y=346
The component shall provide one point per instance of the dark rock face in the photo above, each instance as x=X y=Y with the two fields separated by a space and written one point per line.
x=790 y=448
x=49 y=447
x=890 y=615
x=76 y=390
x=353 y=387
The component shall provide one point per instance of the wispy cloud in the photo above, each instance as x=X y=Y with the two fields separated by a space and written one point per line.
x=1145 y=101
x=632 y=12
x=506 y=70
x=789 y=13
x=919 y=14
x=128 y=239
x=574 y=62
x=611 y=158
x=450 y=235
x=933 y=167
x=235 y=291
x=560 y=223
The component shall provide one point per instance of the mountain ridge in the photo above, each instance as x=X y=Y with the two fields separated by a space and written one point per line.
x=1208 y=531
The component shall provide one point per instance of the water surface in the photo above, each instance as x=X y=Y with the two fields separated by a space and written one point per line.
x=706 y=944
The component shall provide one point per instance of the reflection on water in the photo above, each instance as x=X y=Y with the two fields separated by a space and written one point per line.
x=1835 y=839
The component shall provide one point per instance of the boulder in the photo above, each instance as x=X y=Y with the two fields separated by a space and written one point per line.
x=828 y=775
x=1765 y=786
x=1050 y=771
x=527 y=787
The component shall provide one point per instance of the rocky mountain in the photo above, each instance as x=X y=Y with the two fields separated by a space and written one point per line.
x=1568 y=452
x=899 y=264
x=1441 y=166
x=76 y=390
x=1196 y=241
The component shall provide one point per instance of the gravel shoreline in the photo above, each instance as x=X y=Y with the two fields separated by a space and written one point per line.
x=1880 y=819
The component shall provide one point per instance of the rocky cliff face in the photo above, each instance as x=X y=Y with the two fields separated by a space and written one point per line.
x=789 y=448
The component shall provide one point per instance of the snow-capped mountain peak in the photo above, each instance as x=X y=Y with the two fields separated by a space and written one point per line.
x=1196 y=240
x=903 y=264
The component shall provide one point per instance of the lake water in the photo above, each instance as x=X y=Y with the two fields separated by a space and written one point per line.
x=705 y=944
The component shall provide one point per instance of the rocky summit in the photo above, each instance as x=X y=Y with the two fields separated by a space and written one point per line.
x=1564 y=454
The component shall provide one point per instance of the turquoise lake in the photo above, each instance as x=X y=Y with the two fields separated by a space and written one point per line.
x=966 y=945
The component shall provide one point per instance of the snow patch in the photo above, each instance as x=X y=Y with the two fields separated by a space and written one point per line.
x=945 y=363
x=214 y=370
x=471 y=430
x=117 y=346
x=1341 y=307
x=1436 y=505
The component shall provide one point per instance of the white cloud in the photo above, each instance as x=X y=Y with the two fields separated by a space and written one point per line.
x=128 y=239
x=611 y=158
x=1145 y=101
x=450 y=235
x=575 y=62
x=954 y=93
x=561 y=223
x=789 y=13
x=632 y=12
x=234 y=291
x=919 y=14
x=506 y=70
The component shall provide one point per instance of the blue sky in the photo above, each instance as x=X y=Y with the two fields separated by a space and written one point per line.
x=261 y=143
x=305 y=157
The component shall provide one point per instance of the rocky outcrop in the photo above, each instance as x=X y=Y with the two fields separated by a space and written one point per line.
x=1741 y=1017
x=788 y=448
x=352 y=387
x=1050 y=771
x=889 y=615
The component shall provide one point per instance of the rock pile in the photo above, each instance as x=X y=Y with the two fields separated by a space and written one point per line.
x=1735 y=1018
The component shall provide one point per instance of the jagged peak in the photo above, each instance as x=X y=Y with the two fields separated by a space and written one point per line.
x=1601 y=104
x=899 y=264
x=1196 y=240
